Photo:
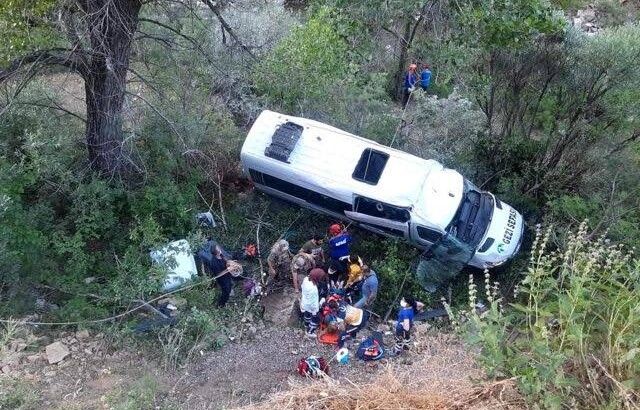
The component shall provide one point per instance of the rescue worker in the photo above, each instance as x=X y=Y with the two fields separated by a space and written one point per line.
x=314 y=245
x=408 y=308
x=345 y=319
x=279 y=260
x=369 y=288
x=425 y=77
x=354 y=270
x=218 y=264
x=301 y=265
x=310 y=301
x=409 y=83
x=339 y=245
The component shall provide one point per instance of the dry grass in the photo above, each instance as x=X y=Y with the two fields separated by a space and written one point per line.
x=436 y=375
x=395 y=388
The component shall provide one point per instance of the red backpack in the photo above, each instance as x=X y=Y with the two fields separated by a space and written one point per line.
x=313 y=367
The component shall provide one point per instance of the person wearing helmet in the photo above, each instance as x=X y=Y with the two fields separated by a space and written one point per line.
x=279 y=260
x=339 y=245
x=310 y=300
x=335 y=229
x=409 y=83
x=302 y=263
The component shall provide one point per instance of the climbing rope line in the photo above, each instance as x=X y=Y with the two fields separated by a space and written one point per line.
x=143 y=305
x=404 y=110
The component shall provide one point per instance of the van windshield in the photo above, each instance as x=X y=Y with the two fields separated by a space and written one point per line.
x=473 y=215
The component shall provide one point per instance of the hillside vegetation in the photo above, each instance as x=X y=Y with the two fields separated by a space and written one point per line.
x=121 y=119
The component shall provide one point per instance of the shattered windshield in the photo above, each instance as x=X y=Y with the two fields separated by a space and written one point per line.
x=443 y=262
x=473 y=215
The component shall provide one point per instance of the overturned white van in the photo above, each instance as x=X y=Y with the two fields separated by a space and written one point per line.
x=382 y=189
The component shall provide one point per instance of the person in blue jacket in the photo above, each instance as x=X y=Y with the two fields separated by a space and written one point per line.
x=408 y=308
x=409 y=83
x=339 y=246
x=425 y=77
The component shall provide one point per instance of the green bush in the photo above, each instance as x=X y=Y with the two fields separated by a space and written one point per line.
x=306 y=64
x=394 y=263
x=571 y=337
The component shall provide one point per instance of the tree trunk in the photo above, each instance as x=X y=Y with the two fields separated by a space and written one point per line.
x=398 y=84
x=112 y=24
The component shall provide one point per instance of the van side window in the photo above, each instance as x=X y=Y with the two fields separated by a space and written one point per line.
x=381 y=210
x=370 y=166
x=428 y=235
x=299 y=192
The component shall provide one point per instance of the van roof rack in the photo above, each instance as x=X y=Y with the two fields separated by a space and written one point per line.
x=283 y=141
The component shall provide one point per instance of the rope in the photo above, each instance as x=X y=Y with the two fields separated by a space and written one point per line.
x=404 y=110
x=82 y=322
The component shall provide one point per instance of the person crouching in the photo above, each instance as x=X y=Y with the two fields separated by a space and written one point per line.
x=345 y=319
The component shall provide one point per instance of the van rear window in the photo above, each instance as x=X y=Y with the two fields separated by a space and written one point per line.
x=370 y=166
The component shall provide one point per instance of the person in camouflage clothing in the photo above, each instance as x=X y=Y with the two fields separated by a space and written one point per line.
x=279 y=260
x=302 y=263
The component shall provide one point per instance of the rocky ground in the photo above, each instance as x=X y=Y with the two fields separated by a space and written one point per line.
x=80 y=370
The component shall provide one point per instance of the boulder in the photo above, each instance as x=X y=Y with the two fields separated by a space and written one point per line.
x=56 y=352
x=82 y=334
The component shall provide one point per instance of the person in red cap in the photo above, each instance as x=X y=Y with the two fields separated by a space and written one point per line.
x=335 y=229
x=339 y=246
x=409 y=83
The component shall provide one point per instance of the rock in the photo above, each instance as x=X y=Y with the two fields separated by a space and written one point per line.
x=88 y=351
x=6 y=369
x=89 y=279
x=577 y=22
x=56 y=352
x=587 y=14
x=11 y=360
x=74 y=348
x=82 y=334
x=100 y=336
x=49 y=374
x=253 y=330
x=17 y=345
x=34 y=358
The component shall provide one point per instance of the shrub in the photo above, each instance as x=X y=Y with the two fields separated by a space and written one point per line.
x=394 y=264
x=571 y=336
x=197 y=331
x=307 y=63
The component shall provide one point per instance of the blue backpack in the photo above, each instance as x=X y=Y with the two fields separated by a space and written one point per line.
x=370 y=349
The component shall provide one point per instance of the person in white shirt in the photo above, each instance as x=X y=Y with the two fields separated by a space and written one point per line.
x=310 y=301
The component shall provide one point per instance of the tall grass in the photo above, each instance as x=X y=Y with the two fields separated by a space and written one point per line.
x=572 y=336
